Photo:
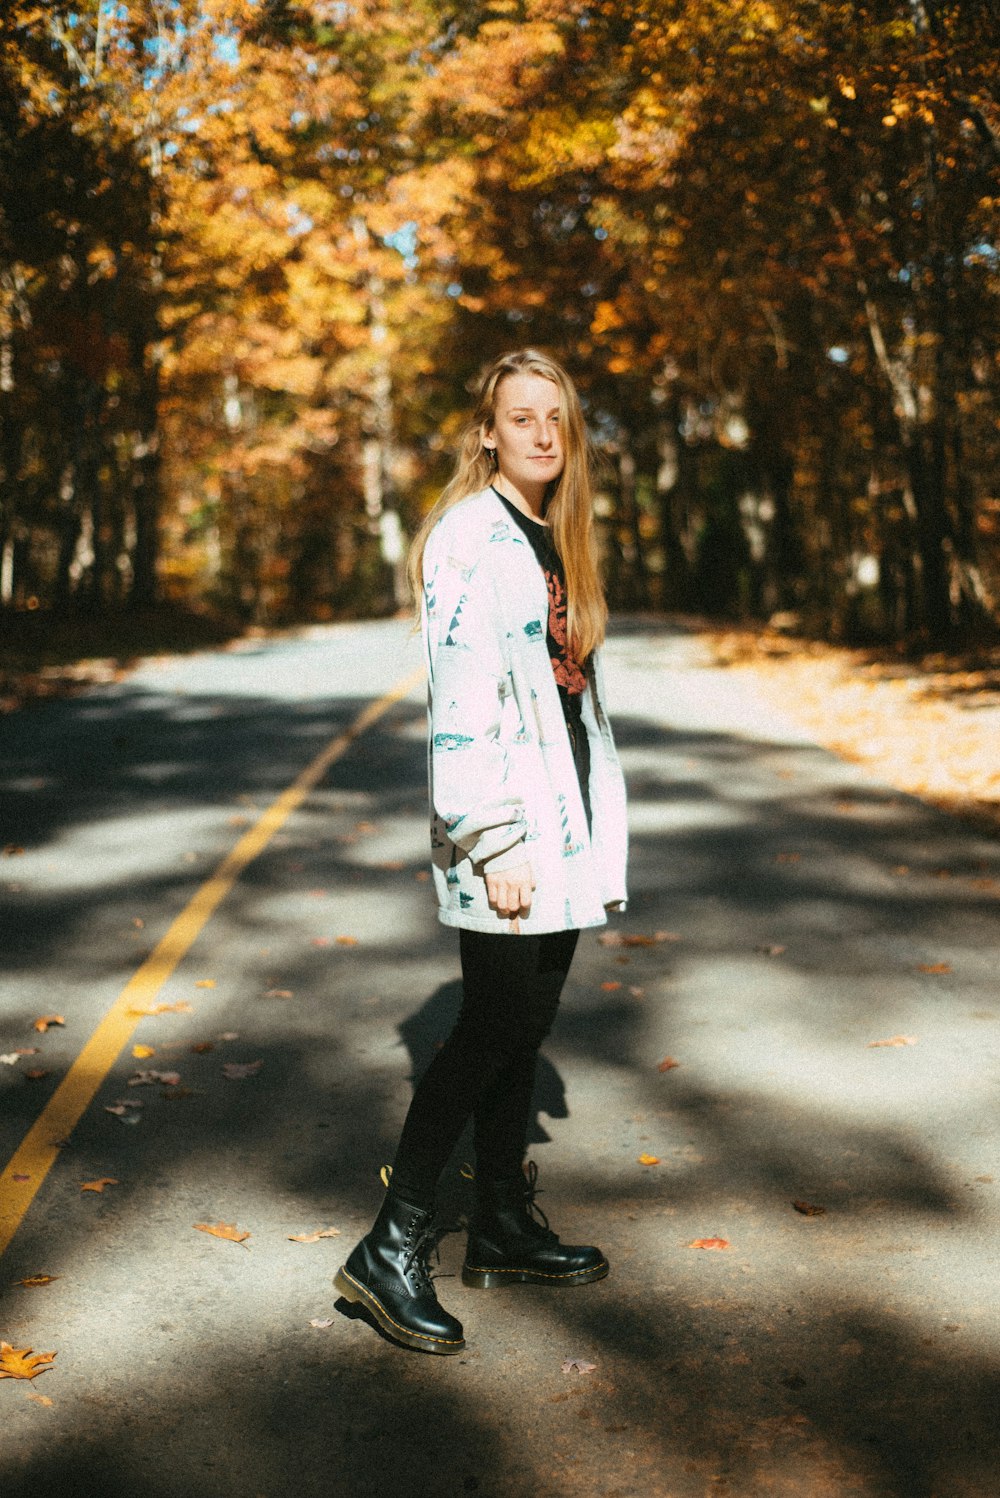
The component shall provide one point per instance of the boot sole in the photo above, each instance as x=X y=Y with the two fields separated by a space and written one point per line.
x=490 y=1279
x=358 y=1294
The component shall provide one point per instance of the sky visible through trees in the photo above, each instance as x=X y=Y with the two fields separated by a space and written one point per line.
x=253 y=254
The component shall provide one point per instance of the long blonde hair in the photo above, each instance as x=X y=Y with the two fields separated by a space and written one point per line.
x=569 y=510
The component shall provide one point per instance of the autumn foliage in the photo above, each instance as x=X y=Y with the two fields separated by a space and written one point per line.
x=252 y=254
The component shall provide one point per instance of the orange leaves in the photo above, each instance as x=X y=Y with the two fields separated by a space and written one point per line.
x=46 y=1021
x=630 y=939
x=21 y=1362
x=710 y=1245
x=809 y=1209
x=668 y=1064
x=181 y=1007
x=893 y=1041
x=649 y=1159
x=314 y=1237
x=934 y=967
x=227 y=1230
x=99 y=1184
x=36 y=1281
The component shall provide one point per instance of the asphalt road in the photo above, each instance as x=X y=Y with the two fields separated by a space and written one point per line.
x=813 y=914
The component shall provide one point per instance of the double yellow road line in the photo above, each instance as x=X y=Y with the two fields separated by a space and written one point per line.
x=25 y=1172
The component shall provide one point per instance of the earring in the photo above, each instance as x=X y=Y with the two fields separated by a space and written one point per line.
x=491 y=454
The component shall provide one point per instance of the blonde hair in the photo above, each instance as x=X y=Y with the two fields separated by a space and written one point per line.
x=569 y=510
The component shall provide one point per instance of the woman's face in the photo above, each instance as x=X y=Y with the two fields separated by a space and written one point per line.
x=526 y=432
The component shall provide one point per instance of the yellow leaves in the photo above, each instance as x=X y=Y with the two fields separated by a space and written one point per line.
x=99 y=1184
x=205 y=983
x=21 y=1362
x=36 y=1281
x=46 y=1021
x=143 y=1052
x=314 y=1237
x=227 y=1230
x=181 y=1007
x=649 y=1159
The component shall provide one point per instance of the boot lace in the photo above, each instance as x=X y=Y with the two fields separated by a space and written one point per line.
x=536 y=1216
x=426 y=1241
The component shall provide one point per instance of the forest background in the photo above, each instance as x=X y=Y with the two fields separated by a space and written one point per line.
x=253 y=255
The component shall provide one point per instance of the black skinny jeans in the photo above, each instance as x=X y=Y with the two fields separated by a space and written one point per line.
x=486 y=1068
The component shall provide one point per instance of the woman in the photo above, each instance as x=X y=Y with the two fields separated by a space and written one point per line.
x=527 y=831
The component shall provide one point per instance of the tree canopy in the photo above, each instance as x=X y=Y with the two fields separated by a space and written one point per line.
x=252 y=254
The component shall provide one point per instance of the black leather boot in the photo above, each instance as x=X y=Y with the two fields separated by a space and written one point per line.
x=510 y=1241
x=387 y=1272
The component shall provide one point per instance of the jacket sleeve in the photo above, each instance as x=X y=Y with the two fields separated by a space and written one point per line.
x=471 y=790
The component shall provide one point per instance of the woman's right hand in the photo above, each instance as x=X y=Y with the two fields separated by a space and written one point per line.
x=509 y=891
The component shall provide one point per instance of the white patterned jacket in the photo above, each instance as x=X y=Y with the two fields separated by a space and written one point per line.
x=503 y=783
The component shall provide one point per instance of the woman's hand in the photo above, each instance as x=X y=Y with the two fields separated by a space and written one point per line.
x=509 y=892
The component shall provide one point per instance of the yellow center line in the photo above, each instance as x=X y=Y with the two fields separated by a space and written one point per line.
x=31 y=1162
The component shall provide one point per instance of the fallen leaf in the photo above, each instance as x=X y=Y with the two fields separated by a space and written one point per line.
x=422 y=876
x=279 y=993
x=205 y=983
x=18 y=1176
x=177 y=1094
x=227 y=1230
x=150 y=1078
x=37 y=1073
x=770 y=951
x=21 y=1362
x=26 y=1050
x=934 y=967
x=347 y=941
x=13 y=850
x=633 y=939
x=901 y=869
x=809 y=1209
x=42 y=1399
x=712 y=1244
x=577 y=1365
x=237 y=1070
x=181 y=1007
x=895 y=1040
x=125 y=1109
x=138 y=922
x=98 y=1185
x=668 y=1064
x=143 y=1052
x=610 y=986
x=314 y=1237
x=788 y=858
x=43 y=1023
x=34 y=1281
x=229 y=1035
x=202 y=1047
x=321 y=941
x=9 y=1058
x=637 y=993
x=649 y=1159
x=321 y=1325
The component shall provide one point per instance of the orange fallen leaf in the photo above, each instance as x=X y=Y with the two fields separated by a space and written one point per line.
x=711 y=1244
x=321 y=941
x=227 y=1230
x=934 y=967
x=773 y=950
x=788 y=858
x=13 y=850
x=181 y=1007
x=35 y=1281
x=143 y=1052
x=347 y=941
x=44 y=1021
x=422 y=876
x=634 y=939
x=37 y=1073
x=314 y=1237
x=649 y=1159
x=279 y=993
x=610 y=986
x=895 y=1040
x=42 y=1399
x=205 y=983
x=202 y=1047
x=99 y=1184
x=668 y=1064
x=809 y=1209
x=21 y=1362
